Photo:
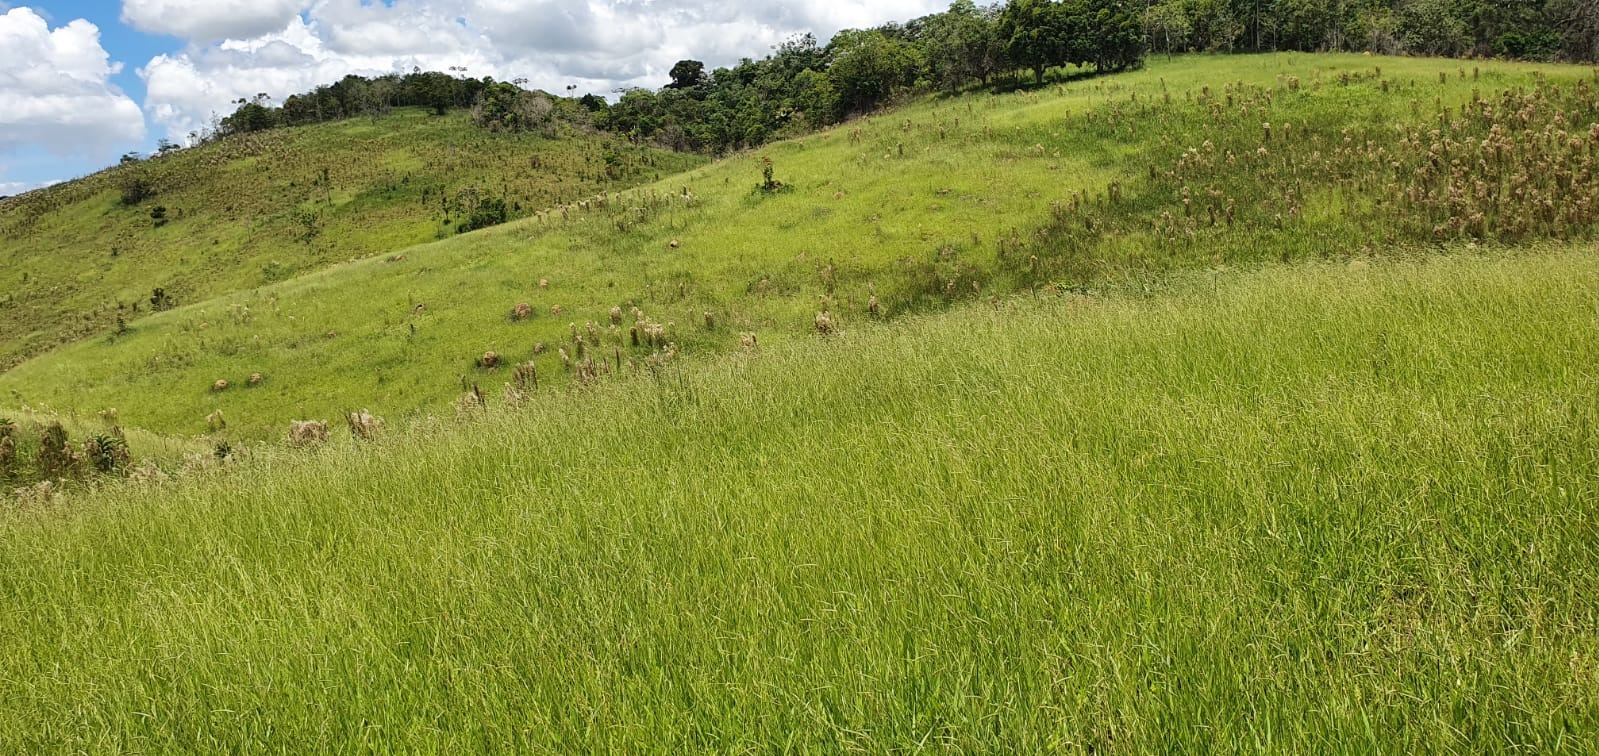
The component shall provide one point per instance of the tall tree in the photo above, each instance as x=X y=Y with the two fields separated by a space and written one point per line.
x=1036 y=33
x=961 y=45
x=1435 y=27
x=1114 y=35
x=687 y=74
x=1167 y=25
x=868 y=67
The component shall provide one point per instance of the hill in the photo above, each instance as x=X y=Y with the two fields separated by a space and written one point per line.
x=1195 y=162
x=255 y=209
x=1318 y=507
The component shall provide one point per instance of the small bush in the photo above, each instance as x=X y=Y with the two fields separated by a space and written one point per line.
x=107 y=453
x=136 y=190
x=489 y=212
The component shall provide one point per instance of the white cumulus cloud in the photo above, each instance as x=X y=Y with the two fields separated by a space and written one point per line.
x=13 y=188
x=207 y=20
x=55 y=89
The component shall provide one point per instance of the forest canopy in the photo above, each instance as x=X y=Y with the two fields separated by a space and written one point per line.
x=803 y=84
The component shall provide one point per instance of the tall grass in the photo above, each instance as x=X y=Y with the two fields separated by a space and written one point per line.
x=1316 y=508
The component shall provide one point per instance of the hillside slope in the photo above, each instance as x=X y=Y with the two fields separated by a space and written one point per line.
x=1319 y=508
x=1197 y=162
x=255 y=209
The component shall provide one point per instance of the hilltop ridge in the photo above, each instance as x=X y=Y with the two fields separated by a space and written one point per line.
x=86 y=257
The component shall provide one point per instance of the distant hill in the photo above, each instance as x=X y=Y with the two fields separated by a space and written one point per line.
x=254 y=209
x=1201 y=162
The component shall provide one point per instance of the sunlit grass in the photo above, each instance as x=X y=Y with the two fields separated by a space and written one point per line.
x=919 y=205
x=73 y=258
x=1311 y=508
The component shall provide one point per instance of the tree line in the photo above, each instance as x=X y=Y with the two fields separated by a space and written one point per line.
x=1541 y=30
x=804 y=84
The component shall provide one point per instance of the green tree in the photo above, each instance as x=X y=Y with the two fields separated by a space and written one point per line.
x=962 y=45
x=1167 y=25
x=1217 y=25
x=1308 y=25
x=507 y=107
x=815 y=97
x=1113 y=35
x=1037 y=35
x=1434 y=27
x=868 y=67
x=688 y=74
x=253 y=114
x=1579 y=20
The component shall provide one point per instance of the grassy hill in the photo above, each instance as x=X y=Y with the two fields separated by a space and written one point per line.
x=260 y=208
x=1315 y=508
x=1198 y=162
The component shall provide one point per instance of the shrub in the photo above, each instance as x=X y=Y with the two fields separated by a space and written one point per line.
x=107 y=453
x=304 y=433
x=56 y=457
x=489 y=212
x=364 y=425
x=769 y=182
x=136 y=190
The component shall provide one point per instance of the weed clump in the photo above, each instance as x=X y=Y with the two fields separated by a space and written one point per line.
x=364 y=426
x=525 y=377
x=769 y=183
x=107 y=453
x=825 y=325
x=304 y=433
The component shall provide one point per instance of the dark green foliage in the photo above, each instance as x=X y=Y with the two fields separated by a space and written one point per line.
x=353 y=96
x=506 y=107
x=870 y=66
x=688 y=74
x=46 y=453
x=252 y=115
x=488 y=212
x=136 y=189
x=1037 y=35
x=107 y=453
x=1519 y=29
x=159 y=300
x=963 y=45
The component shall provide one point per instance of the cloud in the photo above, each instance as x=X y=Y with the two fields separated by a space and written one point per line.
x=55 y=89
x=14 y=188
x=185 y=90
x=597 y=45
x=208 y=20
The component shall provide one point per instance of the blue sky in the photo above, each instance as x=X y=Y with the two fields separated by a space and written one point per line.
x=28 y=166
x=84 y=81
